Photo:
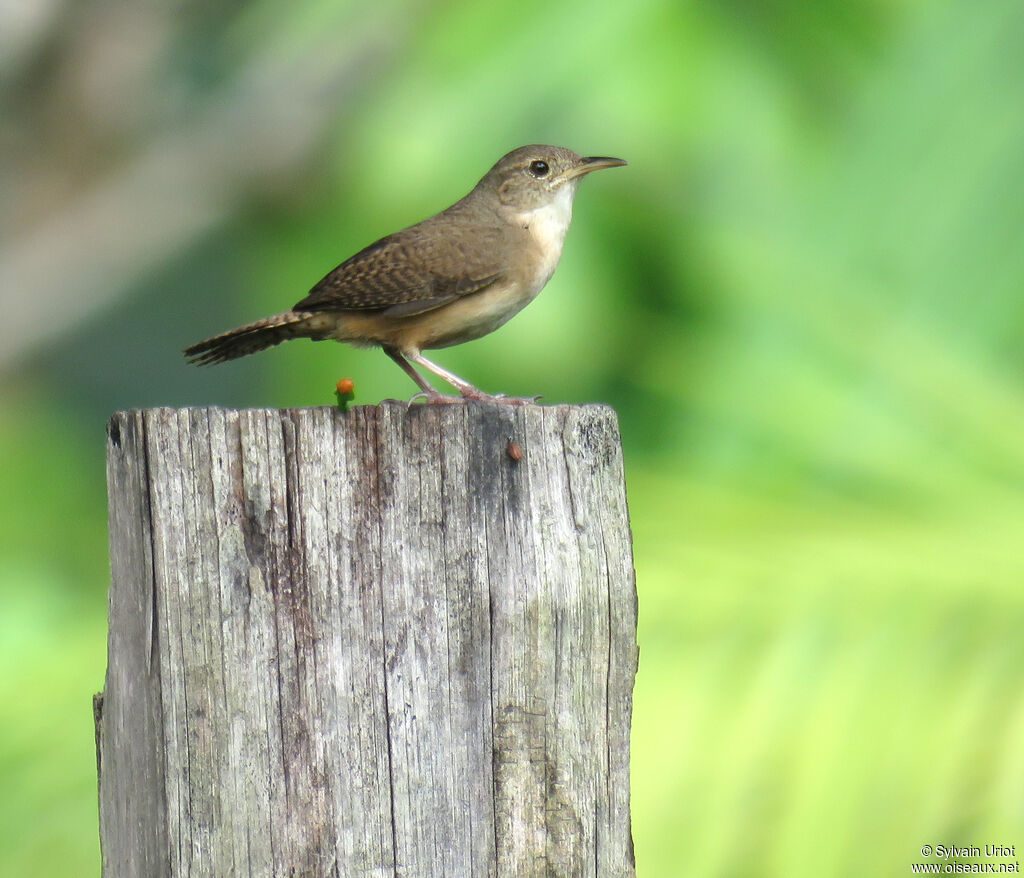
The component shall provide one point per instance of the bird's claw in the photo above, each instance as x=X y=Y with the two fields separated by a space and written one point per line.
x=436 y=398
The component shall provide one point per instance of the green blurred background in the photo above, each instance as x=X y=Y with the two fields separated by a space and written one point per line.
x=804 y=298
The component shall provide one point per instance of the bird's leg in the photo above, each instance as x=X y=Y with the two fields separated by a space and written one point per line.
x=467 y=390
x=427 y=390
x=421 y=382
x=464 y=387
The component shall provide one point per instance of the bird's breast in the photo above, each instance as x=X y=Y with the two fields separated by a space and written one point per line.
x=545 y=227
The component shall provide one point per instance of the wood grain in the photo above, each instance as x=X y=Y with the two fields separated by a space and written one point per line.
x=369 y=643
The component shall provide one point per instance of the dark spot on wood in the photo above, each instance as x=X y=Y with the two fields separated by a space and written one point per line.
x=242 y=591
x=114 y=432
x=254 y=534
x=97 y=718
x=594 y=440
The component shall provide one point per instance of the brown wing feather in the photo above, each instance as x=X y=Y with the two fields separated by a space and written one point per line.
x=406 y=273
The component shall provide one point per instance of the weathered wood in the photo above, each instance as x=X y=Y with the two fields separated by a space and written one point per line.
x=371 y=643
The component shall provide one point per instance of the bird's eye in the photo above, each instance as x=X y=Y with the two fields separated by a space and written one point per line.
x=539 y=168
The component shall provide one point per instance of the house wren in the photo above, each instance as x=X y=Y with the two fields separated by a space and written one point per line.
x=451 y=278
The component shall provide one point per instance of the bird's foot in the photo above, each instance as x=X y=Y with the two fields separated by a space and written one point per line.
x=501 y=398
x=432 y=397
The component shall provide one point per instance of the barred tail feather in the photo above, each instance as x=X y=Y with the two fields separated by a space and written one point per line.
x=248 y=339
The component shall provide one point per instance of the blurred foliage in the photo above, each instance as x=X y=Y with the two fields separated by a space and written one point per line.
x=804 y=297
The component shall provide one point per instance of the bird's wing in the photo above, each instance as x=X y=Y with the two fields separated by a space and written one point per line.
x=403 y=274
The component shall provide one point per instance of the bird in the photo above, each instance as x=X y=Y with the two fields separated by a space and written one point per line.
x=449 y=279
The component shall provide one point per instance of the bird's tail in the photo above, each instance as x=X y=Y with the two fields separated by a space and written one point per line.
x=248 y=339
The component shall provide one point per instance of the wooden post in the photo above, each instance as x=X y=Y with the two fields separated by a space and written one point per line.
x=392 y=641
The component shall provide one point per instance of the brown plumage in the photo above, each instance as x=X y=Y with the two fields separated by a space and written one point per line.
x=246 y=339
x=414 y=267
x=451 y=278
x=401 y=275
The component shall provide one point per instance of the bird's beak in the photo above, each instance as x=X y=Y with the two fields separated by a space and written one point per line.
x=593 y=163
